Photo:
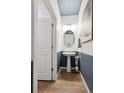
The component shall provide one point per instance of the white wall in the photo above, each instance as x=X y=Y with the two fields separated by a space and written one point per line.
x=83 y=5
x=54 y=5
x=74 y=21
x=42 y=10
x=86 y=48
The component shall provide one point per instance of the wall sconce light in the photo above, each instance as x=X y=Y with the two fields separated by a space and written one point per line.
x=69 y=27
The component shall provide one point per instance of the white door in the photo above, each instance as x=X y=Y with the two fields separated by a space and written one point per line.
x=44 y=49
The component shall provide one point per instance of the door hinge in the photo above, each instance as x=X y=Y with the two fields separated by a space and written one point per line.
x=52 y=25
x=52 y=69
x=52 y=47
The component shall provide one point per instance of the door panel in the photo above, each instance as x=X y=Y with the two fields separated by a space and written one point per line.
x=43 y=49
x=42 y=61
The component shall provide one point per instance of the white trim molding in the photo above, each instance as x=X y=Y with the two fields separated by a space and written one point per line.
x=84 y=82
x=58 y=73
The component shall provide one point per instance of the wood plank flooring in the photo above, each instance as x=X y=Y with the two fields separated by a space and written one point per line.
x=66 y=83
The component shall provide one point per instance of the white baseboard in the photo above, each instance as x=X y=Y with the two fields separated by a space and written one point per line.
x=84 y=82
x=66 y=67
x=58 y=72
x=62 y=67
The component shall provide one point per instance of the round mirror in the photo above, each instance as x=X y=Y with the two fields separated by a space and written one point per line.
x=69 y=38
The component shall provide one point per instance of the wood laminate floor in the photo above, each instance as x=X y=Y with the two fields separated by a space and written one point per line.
x=66 y=83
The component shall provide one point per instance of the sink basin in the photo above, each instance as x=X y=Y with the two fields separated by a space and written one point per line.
x=69 y=53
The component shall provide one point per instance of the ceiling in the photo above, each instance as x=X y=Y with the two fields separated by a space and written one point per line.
x=69 y=7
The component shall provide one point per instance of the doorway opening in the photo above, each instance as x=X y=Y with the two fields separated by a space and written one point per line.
x=61 y=59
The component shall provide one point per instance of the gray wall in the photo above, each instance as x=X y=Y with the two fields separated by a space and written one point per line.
x=59 y=55
x=86 y=68
x=86 y=51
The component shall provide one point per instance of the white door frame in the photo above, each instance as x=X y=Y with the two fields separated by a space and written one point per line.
x=34 y=16
x=34 y=21
x=54 y=54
